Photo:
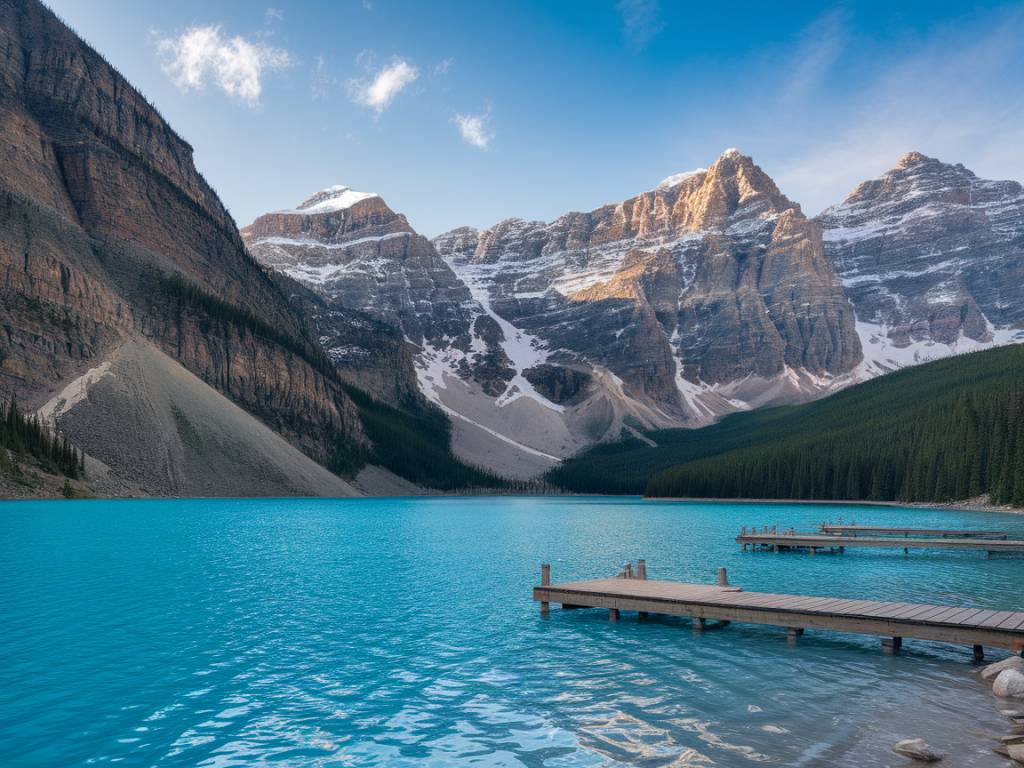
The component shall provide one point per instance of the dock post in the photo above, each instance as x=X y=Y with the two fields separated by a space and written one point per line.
x=723 y=578
x=792 y=634
x=699 y=622
x=627 y=569
x=891 y=645
x=641 y=569
x=613 y=614
x=979 y=653
x=545 y=581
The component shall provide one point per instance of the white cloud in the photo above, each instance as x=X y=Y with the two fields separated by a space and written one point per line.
x=272 y=15
x=475 y=130
x=641 y=21
x=234 y=65
x=442 y=67
x=379 y=91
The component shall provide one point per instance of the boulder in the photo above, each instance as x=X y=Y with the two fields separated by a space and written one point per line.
x=1009 y=684
x=1016 y=752
x=1013 y=662
x=916 y=749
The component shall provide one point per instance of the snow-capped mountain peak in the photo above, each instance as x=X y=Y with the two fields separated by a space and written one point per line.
x=336 y=198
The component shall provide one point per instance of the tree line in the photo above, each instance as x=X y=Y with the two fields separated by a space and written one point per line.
x=25 y=435
x=964 y=445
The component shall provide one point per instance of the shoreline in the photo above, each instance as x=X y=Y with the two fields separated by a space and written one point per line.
x=968 y=505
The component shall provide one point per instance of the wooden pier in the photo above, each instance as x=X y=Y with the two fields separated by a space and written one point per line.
x=722 y=603
x=813 y=542
x=879 y=530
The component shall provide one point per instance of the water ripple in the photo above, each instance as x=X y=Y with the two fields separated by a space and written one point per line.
x=401 y=632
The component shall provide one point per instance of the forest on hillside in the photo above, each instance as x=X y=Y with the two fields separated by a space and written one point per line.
x=943 y=431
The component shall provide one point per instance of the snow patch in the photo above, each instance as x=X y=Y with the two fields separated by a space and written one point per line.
x=523 y=349
x=336 y=198
x=307 y=243
x=882 y=355
x=678 y=178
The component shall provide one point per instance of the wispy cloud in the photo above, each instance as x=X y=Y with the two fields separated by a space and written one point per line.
x=377 y=92
x=321 y=82
x=235 y=65
x=641 y=21
x=956 y=97
x=442 y=67
x=475 y=129
x=273 y=15
x=821 y=44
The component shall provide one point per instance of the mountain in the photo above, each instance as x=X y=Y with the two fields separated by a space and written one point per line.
x=707 y=295
x=110 y=236
x=355 y=257
x=886 y=439
x=932 y=258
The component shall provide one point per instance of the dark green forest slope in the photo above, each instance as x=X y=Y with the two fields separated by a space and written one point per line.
x=947 y=430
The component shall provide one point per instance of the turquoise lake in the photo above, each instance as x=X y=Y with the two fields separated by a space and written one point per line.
x=402 y=632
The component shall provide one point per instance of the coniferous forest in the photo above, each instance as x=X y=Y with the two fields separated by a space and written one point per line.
x=944 y=431
x=23 y=435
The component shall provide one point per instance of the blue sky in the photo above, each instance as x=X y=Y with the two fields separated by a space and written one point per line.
x=471 y=112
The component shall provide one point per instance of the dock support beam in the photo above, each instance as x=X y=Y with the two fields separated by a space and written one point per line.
x=641 y=569
x=699 y=622
x=979 y=653
x=792 y=634
x=545 y=581
x=613 y=614
x=891 y=645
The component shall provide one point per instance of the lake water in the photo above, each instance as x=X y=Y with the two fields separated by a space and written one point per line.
x=402 y=632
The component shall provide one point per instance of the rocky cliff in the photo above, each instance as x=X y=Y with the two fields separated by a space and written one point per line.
x=932 y=258
x=706 y=295
x=109 y=231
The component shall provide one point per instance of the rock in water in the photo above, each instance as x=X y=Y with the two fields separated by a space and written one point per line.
x=916 y=749
x=992 y=670
x=1009 y=684
x=1016 y=752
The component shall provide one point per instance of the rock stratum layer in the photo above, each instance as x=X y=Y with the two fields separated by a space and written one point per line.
x=706 y=295
x=108 y=231
x=932 y=258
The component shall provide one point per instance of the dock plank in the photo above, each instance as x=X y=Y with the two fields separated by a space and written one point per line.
x=835 y=541
x=945 y=623
x=829 y=528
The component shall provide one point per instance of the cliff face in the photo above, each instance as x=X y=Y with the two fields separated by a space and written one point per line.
x=102 y=205
x=358 y=256
x=706 y=295
x=932 y=258
x=711 y=279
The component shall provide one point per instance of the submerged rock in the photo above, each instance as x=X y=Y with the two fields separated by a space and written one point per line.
x=1009 y=684
x=1013 y=662
x=916 y=749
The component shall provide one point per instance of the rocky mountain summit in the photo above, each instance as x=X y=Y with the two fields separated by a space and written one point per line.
x=706 y=295
x=932 y=258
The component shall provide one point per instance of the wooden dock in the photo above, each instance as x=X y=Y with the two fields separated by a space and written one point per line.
x=880 y=530
x=722 y=603
x=813 y=542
